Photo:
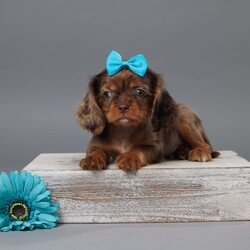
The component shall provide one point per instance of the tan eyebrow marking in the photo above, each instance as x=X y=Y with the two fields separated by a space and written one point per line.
x=134 y=85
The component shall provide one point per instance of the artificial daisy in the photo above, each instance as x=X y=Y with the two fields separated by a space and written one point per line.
x=25 y=203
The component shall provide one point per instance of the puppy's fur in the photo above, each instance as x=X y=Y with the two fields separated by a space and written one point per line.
x=135 y=121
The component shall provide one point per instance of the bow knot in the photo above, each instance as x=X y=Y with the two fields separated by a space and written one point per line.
x=114 y=63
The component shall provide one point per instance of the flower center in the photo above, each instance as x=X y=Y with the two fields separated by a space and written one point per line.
x=19 y=211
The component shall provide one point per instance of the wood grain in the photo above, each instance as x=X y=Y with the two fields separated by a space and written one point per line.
x=174 y=191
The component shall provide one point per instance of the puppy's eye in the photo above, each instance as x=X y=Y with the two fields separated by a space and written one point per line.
x=140 y=92
x=107 y=94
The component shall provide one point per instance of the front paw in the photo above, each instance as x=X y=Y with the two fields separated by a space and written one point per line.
x=129 y=161
x=93 y=163
x=200 y=155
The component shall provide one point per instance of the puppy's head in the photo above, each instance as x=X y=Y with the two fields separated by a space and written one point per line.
x=126 y=99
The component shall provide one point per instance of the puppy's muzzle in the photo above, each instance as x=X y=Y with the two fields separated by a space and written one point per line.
x=123 y=108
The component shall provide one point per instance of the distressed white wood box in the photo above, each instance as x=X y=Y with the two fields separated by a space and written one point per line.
x=173 y=191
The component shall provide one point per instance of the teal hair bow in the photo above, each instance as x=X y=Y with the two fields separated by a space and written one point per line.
x=114 y=63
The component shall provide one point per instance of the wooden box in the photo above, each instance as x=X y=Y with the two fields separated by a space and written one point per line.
x=173 y=191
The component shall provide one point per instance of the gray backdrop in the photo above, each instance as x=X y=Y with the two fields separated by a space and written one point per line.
x=49 y=48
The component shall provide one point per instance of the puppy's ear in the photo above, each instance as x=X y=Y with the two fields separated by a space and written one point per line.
x=164 y=107
x=88 y=113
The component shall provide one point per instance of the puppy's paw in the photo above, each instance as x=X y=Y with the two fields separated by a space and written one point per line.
x=93 y=163
x=129 y=161
x=200 y=155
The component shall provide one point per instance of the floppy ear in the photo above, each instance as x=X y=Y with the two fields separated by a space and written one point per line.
x=88 y=113
x=164 y=107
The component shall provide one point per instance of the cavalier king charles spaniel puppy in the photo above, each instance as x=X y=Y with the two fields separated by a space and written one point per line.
x=135 y=121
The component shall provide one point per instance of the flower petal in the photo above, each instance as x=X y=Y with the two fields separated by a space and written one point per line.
x=37 y=222
x=26 y=223
x=16 y=181
x=42 y=204
x=50 y=210
x=36 y=190
x=6 y=182
x=2 y=203
x=7 y=228
x=16 y=227
x=37 y=179
x=46 y=225
x=42 y=196
x=4 y=221
x=2 y=192
x=47 y=217
x=2 y=188
x=17 y=222
x=28 y=185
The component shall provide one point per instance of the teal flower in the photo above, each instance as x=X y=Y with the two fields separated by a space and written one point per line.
x=25 y=203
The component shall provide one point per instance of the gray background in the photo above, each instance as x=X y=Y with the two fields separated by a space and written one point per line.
x=48 y=50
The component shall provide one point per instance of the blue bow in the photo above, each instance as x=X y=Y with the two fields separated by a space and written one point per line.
x=114 y=63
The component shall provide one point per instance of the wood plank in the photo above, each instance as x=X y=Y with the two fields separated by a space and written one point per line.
x=70 y=161
x=171 y=195
x=173 y=191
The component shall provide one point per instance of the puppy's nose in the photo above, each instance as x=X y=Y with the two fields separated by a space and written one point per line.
x=123 y=108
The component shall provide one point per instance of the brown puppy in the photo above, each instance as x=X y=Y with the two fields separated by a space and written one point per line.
x=135 y=121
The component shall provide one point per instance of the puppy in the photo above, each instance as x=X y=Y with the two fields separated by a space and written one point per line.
x=135 y=121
